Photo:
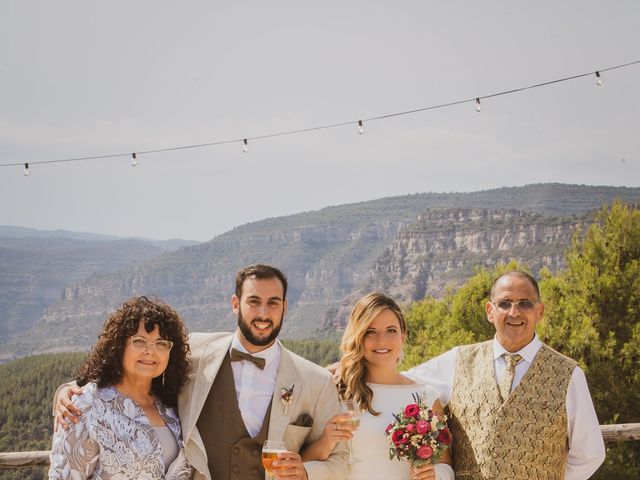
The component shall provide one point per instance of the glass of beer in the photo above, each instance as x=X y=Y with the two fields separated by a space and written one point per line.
x=270 y=451
x=353 y=409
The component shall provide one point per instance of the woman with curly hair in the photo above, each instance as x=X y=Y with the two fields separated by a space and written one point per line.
x=130 y=381
x=371 y=348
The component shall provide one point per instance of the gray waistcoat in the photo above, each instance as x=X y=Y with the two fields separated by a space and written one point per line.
x=231 y=452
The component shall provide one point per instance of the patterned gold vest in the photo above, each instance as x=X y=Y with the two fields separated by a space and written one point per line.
x=523 y=438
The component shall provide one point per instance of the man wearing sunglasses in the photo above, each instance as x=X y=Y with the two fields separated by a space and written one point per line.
x=518 y=409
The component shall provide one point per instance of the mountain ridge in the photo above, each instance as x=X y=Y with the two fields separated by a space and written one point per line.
x=330 y=255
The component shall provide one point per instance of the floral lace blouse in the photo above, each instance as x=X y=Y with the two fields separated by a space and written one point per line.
x=115 y=441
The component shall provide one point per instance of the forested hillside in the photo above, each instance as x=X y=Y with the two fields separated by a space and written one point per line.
x=26 y=391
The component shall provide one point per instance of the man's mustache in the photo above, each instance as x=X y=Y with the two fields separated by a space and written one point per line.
x=263 y=320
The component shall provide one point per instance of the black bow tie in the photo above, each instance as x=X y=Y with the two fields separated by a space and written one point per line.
x=237 y=356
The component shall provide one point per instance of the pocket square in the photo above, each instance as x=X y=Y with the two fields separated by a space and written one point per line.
x=304 y=420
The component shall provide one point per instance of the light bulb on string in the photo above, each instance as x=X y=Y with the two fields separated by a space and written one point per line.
x=245 y=146
x=598 y=79
x=360 y=127
x=134 y=160
x=26 y=170
x=478 y=106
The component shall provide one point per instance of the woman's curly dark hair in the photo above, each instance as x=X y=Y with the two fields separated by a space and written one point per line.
x=104 y=363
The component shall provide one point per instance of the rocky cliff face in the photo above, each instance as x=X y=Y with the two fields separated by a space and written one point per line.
x=443 y=247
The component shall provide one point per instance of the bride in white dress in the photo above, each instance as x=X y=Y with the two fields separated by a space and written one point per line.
x=371 y=347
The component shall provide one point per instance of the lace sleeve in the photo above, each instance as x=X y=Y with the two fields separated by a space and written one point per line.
x=74 y=453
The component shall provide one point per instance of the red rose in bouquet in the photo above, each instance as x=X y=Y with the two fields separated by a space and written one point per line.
x=425 y=451
x=422 y=426
x=418 y=435
x=399 y=437
x=411 y=410
x=445 y=436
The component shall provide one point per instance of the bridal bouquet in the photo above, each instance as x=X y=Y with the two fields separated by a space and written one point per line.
x=418 y=435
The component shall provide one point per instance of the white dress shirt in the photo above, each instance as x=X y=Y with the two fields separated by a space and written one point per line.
x=254 y=387
x=586 y=446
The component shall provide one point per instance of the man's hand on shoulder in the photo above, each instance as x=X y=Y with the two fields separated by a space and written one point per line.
x=334 y=370
x=64 y=411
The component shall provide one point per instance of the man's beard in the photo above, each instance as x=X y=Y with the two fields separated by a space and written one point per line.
x=245 y=328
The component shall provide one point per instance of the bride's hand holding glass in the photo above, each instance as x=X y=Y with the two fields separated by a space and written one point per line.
x=351 y=408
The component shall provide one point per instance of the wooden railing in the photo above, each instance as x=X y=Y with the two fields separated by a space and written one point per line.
x=625 y=432
x=24 y=459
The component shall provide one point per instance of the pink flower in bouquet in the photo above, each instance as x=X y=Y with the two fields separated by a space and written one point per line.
x=389 y=428
x=425 y=451
x=422 y=426
x=444 y=436
x=411 y=427
x=411 y=410
x=398 y=438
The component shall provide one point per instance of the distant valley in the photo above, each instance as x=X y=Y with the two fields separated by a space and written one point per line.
x=36 y=266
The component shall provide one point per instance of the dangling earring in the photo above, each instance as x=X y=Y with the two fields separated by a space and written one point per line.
x=163 y=379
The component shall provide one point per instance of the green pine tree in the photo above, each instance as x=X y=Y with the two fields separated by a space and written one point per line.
x=593 y=316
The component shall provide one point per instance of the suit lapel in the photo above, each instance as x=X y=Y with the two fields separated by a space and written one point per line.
x=202 y=380
x=288 y=376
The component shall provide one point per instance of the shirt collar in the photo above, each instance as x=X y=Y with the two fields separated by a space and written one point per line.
x=269 y=354
x=528 y=352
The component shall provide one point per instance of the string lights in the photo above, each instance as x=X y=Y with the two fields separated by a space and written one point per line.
x=360 y=123
x=598 y=79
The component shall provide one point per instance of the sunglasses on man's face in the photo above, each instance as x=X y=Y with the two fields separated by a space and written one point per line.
x=522 y=305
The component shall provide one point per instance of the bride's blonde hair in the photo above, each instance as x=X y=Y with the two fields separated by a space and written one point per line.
x=353 y=367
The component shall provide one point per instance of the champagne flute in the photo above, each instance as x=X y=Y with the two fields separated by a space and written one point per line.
x=270 y=451
x=353 y=409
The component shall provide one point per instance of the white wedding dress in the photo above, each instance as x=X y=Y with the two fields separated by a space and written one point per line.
x=370 y=443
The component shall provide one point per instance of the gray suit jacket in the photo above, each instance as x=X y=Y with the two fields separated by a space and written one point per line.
x=314 y=394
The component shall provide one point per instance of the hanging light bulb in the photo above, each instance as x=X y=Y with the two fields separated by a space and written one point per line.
x=598 y=79
x=360 y=127
x=478 y=106
x=134 y=160
x=26 y=170
x=245 y=146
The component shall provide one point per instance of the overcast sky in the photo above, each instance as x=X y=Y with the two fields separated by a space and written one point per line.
x=82 y=78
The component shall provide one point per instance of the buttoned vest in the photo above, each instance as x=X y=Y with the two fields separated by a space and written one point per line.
x=522 y=438
x=232 y=454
